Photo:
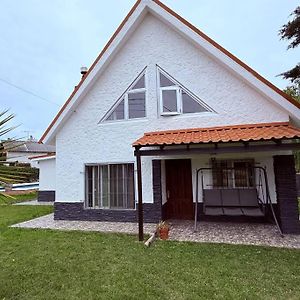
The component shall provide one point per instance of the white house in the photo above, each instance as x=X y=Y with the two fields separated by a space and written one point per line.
x=162 y=103
x=47 y=176
x=21 y=151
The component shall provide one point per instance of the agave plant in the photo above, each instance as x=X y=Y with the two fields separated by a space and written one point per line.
x=8 y=174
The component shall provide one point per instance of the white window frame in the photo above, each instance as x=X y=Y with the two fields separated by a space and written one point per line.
x=178 y=100
x=179 y=88
x=100 y=200
x=126 y=102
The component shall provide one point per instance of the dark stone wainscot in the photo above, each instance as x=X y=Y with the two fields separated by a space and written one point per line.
x=46 y=196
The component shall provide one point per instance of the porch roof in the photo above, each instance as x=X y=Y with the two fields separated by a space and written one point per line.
x=235 y=133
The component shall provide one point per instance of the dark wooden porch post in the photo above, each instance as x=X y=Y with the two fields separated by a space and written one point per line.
x=140 y=193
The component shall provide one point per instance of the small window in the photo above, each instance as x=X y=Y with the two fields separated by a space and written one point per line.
x=118 y=112
x=169 y=100
x=174 y=99
x=164 y=81
x=233 y=174
x=136 y=105
x=132 y=104
x=189 y=105
x=140 y=84
x=110 y=186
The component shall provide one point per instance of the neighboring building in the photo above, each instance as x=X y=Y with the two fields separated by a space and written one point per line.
x=47 y=178
x=21 y=151
x=184 y=103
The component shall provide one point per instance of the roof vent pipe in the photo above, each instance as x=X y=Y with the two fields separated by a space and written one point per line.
x=83 y=71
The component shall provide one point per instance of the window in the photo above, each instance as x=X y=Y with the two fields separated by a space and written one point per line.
x=169 y=99
x=233 y=174
x=136 y=105
x=132 y=104
x=118 y=113
x=110 y=186
x=174 y=99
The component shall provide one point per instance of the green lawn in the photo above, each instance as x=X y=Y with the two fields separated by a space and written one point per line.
x=44 y=264
x=17 y=198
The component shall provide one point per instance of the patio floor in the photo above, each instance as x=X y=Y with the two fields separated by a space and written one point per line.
x=207 y=232
x=48 y=222
x=232 y=233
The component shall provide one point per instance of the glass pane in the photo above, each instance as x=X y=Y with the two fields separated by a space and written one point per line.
x=164 y=81
x=89 y=186
x=136 y=105
x=104 y=186
x=118 y=113
x=189 y=105
x=222 y=174
x=120 y=187
x=243 y=174
x=139 y=84
x=169 y=98
x=113 y=193
x=96 y=186
x=130 y=186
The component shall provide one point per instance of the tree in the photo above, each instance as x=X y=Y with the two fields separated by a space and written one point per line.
x=291 y=32
x=8 y=174
x=294 y=90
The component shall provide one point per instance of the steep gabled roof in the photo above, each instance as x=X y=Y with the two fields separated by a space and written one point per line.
x=206 y=43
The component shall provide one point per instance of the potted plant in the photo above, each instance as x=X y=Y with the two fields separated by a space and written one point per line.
x=163 y=230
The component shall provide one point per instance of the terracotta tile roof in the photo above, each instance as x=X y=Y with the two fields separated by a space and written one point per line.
x=43 y=156
x=235 y=133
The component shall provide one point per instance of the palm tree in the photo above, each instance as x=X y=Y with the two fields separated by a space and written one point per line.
x=8 y=174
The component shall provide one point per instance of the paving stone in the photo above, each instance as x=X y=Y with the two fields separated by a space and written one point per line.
x=207 y=232
x=232 y=233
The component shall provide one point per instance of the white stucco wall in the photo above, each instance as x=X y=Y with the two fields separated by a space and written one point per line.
x=47 y=176
x=82 y=140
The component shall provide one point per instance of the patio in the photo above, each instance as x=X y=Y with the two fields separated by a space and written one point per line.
x=261 y=234
x=207 y=232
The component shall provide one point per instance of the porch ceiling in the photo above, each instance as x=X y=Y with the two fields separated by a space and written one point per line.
x=224 y=134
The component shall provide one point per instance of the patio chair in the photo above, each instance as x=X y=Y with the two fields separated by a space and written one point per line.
x=212 y=202
x=250 y=203
x=231 y=202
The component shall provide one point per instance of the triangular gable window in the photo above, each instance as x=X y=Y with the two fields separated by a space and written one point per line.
x=132 y=104
x=117 y=113
x=175 y=99
x=164 y=81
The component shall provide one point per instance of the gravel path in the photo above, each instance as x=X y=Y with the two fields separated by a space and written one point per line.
x=34 y=202
x=207 y=232
x=232 y=233
x=47 y=222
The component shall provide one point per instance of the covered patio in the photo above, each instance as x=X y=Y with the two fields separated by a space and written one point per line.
x=213 y=195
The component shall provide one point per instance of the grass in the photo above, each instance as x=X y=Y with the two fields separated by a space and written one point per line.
x=44 y=264
x=17 y=198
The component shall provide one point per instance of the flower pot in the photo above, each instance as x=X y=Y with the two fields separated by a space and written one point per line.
x=164 y=233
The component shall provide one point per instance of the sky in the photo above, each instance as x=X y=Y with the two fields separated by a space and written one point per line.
x=43 y=44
